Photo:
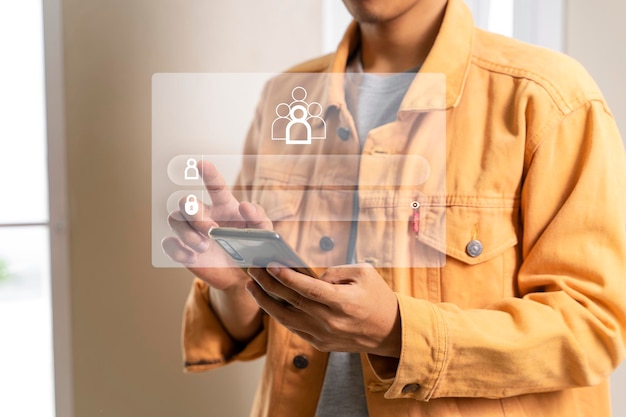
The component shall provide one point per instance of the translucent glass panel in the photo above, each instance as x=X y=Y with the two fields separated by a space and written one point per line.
x=299 y=164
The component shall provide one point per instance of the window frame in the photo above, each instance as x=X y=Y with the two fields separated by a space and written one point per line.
x=58 y=208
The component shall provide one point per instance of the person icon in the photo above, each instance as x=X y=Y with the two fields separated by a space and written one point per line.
x=298 y=114
x=298 y=94
x=279 y=125
x=191 y=171
x=315 y=111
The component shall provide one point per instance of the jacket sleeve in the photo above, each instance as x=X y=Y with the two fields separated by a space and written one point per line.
x=567 y=328
x=206 y=344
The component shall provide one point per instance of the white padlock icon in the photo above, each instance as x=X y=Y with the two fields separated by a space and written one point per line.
x=191 y=205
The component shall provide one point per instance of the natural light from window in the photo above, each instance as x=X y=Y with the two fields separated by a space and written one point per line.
x=26 y=357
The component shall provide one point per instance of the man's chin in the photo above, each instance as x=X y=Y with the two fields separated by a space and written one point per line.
x=376 y=11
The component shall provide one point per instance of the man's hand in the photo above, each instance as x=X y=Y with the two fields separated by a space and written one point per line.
x=348 y=309
x=193 y=248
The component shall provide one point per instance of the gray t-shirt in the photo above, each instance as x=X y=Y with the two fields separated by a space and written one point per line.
x=373 y=100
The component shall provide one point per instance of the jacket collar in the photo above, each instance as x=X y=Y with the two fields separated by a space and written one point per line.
x=441 y=79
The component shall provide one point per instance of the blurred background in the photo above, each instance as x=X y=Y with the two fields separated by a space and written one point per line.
x=87 y=326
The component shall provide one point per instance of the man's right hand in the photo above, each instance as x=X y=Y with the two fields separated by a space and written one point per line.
x=193 y=248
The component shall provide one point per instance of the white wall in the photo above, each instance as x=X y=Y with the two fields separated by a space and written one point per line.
x=595 y=34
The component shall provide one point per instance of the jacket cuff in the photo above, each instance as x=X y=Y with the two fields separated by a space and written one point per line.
x=205 y=342
x=423 y=356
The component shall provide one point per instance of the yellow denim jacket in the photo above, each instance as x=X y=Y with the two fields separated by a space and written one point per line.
x=531 y=322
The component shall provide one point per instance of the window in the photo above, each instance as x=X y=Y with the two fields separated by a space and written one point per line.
x=535 y=21
x=26 y=354
x=495 y=16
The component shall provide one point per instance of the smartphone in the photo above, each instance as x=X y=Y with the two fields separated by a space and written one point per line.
x=256 y=247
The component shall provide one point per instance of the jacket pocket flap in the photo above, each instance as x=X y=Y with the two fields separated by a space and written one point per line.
x=473 y=233
x=280 y=196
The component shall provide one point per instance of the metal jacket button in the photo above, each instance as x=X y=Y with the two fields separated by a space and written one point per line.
x=300 y=361
x=474 y=248
x=343 y=133
x=410 y=388
x=327 y=243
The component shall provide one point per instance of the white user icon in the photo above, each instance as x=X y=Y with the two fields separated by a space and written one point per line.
x=191 y=171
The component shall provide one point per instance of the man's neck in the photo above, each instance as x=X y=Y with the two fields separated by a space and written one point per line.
x=402 y=43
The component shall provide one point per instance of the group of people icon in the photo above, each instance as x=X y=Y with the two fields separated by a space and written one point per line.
x=294 y=120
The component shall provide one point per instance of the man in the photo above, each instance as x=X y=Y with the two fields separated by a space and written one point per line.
x=526 y=316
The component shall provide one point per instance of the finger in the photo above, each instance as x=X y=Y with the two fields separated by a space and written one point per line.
x=268 y=284
x=311 y=289
x=296 y=321
x=255 y=216
x=276 y=290
x=264 y=299
x=346 y=274
x=284 y=313
x=201 y=221
x=216 y=184
x=192 y=233
x=177 y=251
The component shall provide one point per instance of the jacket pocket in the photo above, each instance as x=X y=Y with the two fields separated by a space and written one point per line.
x=481 y=252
